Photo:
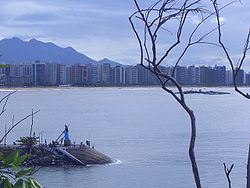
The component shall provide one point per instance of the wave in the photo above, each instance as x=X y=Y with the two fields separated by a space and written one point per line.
x=115 y=162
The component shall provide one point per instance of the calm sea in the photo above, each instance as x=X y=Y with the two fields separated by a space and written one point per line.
x=144 y=129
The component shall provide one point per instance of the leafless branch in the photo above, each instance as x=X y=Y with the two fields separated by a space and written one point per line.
x=154 y=19
x=34 y=170
x=235 y=70
x=32 y=121
x=227 y=172
x=5 y=100
x=7 y=96
x=17 y=123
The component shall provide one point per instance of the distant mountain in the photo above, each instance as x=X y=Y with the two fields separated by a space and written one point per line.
x=15 y=50
x=112 y=63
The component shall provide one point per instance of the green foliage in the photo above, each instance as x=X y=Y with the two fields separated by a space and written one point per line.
x=3 y=66
x=12 y=176
x=28 y=141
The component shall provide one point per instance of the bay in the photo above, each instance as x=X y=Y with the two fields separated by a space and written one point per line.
x=144 y=129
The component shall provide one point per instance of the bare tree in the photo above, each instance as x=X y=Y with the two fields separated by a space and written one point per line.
x=157 y=20
x=235 y=67
x=11 y=175
x=14 y=124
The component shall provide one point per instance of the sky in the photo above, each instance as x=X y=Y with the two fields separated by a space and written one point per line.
x=100 y=28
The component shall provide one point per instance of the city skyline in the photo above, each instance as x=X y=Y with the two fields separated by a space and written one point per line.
x=41 y=73
x=102 y=29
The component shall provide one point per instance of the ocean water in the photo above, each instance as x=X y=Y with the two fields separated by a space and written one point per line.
x=144 y=129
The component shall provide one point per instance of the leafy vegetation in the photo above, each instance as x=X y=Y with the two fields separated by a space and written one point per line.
x=28 y=141
x=12 y=175
x=3 y=66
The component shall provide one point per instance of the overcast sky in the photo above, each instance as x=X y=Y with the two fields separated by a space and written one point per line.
x=100 y=28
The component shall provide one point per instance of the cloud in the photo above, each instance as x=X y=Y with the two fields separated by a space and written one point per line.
x=195 y=20
x=101 y=28
x=221 y=19
x=37 y=17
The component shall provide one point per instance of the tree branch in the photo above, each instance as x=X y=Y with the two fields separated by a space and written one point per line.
x=5 y=100
x=153 y=19
x=227 y=172
x=236 y=70
x=32 y=121
x=17 y=123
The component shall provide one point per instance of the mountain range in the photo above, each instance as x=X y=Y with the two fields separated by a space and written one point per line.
x=15 y=50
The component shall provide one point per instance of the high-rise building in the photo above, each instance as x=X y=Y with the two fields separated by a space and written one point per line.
x=191 y=75
x=38 y=69
x=240 y=78
x=248 y=79
x=229 y=77
x=142 y=75
x=197 y=75
x=76 y=75
x=85 y=74
x=68 y=76
x=118 y=75
x=63 y=74
x=128 y=75
x=208 y=76
x=51 y=74
x=3 y=77
x=95 y=74
x=25 y=74
x=181 y=75
x=220 y=75
x=106 y=73
x=131 y=75
x=11 y=71
x=17 y=75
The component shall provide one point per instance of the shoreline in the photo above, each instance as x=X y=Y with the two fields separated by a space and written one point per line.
x=105 y=87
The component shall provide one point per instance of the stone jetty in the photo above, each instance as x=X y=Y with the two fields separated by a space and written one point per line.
x=205 y=92
x=59 y=155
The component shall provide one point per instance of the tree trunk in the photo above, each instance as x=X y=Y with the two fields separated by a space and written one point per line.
x=191 y=149
x=248 y=168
